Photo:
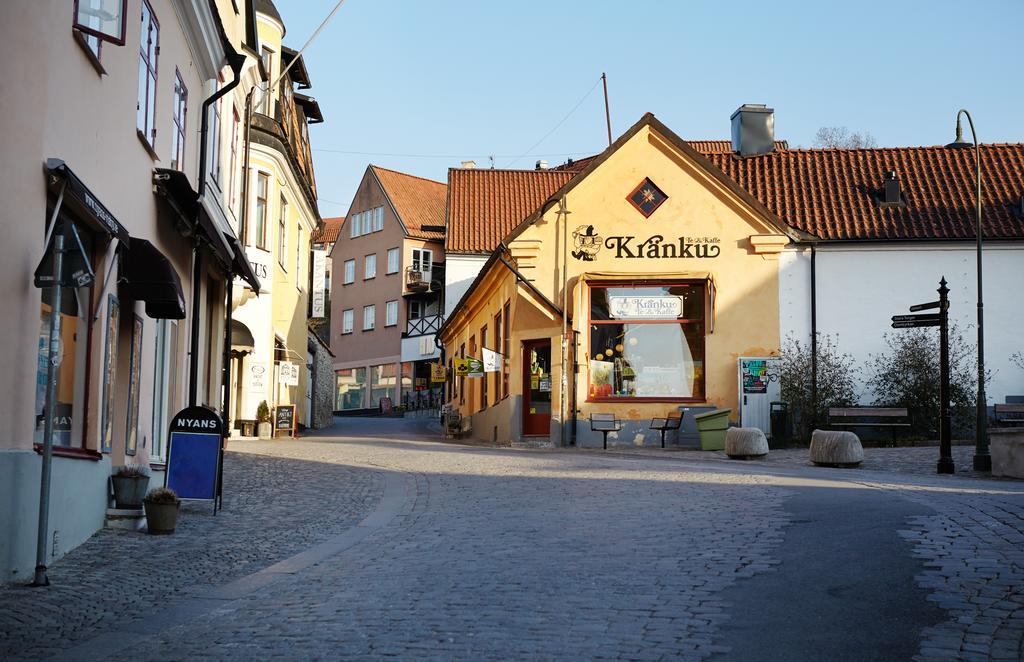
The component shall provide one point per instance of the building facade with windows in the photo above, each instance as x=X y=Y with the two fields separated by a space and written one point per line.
x=637 y=287
x=387 y=290
x=278 y=217
x=103 y=154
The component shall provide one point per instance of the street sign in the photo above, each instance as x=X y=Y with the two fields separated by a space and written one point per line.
x=914 y=321
x=925 y=306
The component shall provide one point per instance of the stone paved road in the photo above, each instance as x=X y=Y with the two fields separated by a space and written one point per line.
x=485 y=553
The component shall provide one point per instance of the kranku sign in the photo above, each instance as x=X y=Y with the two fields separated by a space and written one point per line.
x=588 y=244
x=646 y=308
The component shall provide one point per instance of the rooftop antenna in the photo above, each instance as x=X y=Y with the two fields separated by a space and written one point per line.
x=607 y=115
x=491 y=157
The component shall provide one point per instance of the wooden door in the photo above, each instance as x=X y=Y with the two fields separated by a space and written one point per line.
x=537 y=383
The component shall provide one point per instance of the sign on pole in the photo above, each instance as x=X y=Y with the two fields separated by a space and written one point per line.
x=194 y=454
x=319 y=282
x=469 y=367
x=914 y=321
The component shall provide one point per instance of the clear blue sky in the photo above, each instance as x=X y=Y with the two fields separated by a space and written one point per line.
x=460 y=79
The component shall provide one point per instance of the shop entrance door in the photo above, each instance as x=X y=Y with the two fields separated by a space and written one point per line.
x=537 y=387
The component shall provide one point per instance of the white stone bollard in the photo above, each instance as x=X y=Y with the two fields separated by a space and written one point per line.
x=745 y=443
x=836 y=448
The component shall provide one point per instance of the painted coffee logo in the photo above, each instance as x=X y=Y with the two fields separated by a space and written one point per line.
x=589 y=243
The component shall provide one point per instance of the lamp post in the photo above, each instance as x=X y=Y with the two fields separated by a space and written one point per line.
x=982 y=459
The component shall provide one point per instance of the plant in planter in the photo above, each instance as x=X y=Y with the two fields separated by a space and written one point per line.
x=264 y=429
x=162 y=505
x=130 y=483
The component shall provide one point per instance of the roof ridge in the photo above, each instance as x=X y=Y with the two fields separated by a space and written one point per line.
x=405 y=174
x=904 y=148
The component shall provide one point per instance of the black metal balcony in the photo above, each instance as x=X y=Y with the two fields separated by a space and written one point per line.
x=422 y=326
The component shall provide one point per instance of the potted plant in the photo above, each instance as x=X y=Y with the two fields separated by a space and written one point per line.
x=130 y=483
x=162 y=504
x=264 y=429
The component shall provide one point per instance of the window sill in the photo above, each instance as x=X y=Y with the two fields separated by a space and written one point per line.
x=93 y=60
x=370 y=329
x=71 y=452
x=386 y=326
x=158 y=466
x=145 y=143
x=370 y=278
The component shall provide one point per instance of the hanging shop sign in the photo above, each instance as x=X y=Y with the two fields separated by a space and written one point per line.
x=288 y=373
x=437 y=375
x=319 y=282
x=469 y=367
x=588 y=244
x=492 y=360
x=646 y=308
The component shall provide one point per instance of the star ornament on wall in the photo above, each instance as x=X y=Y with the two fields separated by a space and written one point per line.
x=647 y=197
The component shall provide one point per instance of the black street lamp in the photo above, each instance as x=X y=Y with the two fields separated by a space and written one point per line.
x=982 y=459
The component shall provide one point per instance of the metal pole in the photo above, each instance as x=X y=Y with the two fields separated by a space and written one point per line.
x=982 y=459
x=565 y=322
x=945 y=465
x=193 y=359
x=607 y=114
x=48 y=413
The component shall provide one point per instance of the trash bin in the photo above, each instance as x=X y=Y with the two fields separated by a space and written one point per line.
x=712 y=427
x=780 y=424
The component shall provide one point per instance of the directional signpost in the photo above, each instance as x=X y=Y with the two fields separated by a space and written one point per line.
x=941 y=320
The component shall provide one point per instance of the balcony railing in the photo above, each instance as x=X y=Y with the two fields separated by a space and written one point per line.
x=422 y=326
x=418 y=280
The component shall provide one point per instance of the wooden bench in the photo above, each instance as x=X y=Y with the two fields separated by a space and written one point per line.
x=671 y=422
x=604 y=423
x=870 y=417
x=1009 y=415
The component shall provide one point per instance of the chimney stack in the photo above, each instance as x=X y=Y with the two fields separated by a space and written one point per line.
x=753 y=129
x=469 y=165
x=541 y=165
x=892 y=194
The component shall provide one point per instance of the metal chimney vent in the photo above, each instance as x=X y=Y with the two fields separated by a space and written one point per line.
x=892 y=194
x=753 y=129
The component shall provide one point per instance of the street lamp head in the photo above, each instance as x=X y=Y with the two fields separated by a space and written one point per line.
x=959 y=142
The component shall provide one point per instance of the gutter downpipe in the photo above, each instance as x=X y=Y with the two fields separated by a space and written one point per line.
x=235 y=61
x=564 y=214
x=814 y=336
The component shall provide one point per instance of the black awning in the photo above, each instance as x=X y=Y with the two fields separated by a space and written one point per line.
x=174 y=186
x=240 y=265
x=310 y=108
x=147 y=275
x=78 y=196
x=241 y=336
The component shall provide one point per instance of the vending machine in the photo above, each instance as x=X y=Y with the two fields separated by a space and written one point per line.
x=758 y=388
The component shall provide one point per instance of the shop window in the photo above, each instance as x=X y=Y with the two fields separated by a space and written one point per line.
x=382 y=383
x=647 y=341
x=165 y=380
x=131 y=436
x=149 y=50
x=75 y=330
x=350 y=386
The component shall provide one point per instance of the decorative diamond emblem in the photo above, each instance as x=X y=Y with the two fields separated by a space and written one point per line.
x=647 y=197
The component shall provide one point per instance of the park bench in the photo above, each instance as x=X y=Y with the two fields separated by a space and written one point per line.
x=870 y=417
x=1009 y=415
x=604 y=423
x=671 y=422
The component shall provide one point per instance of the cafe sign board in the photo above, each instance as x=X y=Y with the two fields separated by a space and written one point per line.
x=646 y=307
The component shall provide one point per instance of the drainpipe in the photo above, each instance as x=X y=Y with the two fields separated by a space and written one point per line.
x=564 y=214
x=814 y=337
x=235 y=61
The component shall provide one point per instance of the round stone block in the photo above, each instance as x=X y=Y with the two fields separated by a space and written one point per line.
x=745 y=443
x=836 y=448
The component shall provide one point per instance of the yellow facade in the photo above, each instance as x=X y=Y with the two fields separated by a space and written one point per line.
x=728 y=248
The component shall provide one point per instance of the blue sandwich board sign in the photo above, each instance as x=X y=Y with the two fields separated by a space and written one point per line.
x=195 y=454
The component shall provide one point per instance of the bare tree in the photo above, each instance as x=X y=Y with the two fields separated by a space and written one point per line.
x=833 y=137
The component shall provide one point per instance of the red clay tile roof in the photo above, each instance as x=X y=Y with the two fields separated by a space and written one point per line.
x=418 y=202
x=328 y=232
x=833 y=193
x=485 y=205
x=725 y=146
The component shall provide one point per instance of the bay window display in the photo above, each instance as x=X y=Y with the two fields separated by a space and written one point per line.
x=647 y=341
x=351 y=387
x=383 y=382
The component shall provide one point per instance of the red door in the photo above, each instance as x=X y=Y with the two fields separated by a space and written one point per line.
x=537 y=384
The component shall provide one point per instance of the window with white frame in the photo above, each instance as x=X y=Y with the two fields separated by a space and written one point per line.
x=391 y=313
x=298 y=257
x=215 y=137
x=347 y=320
x=165 y=381
x=422 y=260
x=366 y=222
x=378 y=219
x=281 y=231
x=178 y=130
x=393 y=256
x=369 y=317
x=370 y=267
x=267 y=56
x=416 y=310
x=350 y=272
x=149 y=49
x=353 y=226
x=260 y=220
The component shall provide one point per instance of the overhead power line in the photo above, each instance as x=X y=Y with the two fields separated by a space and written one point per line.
x=560 y=122
x=454 y=156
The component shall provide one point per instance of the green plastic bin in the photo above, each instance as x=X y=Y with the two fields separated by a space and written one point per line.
x=712 y=427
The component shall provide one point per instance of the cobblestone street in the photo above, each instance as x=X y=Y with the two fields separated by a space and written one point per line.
x=376 y=540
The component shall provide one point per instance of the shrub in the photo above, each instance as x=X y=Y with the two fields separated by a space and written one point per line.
x=132 y=471
x=263 y=412
x=162 y=495
x=838 y=376
x=907 y=375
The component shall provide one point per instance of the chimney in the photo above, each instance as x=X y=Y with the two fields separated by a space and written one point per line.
x=469 y=165
x=892 y=195
x=541 y=165
x=753 y=129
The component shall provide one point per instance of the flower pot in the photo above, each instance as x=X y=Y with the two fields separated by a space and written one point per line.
x=265 y=430
x=129 y=491
x=161 y=518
